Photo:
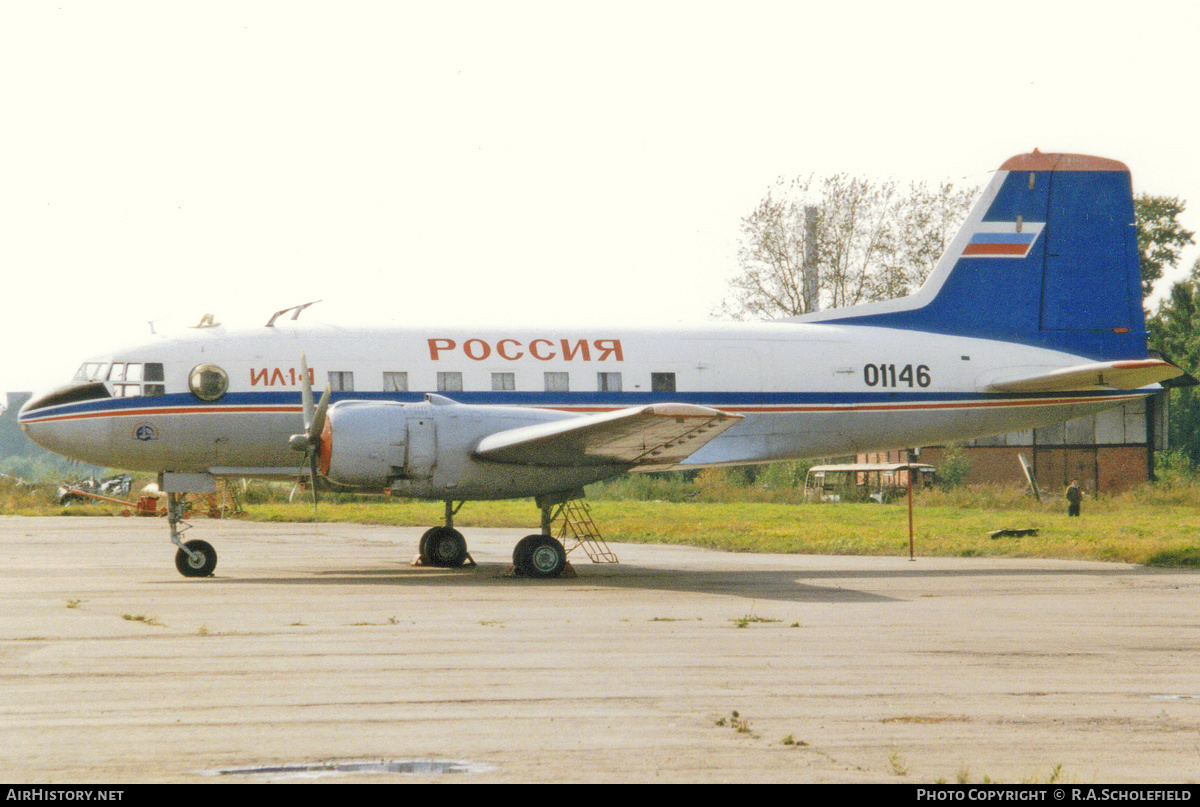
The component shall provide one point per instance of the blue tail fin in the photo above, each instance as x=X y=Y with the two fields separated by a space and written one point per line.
x=1047 y=257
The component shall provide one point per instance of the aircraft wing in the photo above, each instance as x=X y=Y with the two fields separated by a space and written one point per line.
x=1109 y=374
x=654 y=437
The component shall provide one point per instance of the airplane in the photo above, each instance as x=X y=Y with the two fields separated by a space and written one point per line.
x=1032 y=316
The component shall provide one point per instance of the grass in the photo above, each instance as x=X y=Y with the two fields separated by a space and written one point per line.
x=1184 y=558
x=145 y=620
x=746 y=620
x=1153 y=524
x=1125 y=529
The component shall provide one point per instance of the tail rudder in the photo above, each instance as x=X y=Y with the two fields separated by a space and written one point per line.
x=1047 y=257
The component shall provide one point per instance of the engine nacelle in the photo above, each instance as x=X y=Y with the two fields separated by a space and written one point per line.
x=425 y=450
x=365 y=444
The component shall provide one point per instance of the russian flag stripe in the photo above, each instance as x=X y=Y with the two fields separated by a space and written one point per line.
x=1018 y=250
x=1003 y=238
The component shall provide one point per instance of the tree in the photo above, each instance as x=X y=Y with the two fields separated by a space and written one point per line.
x=1160 y=237
x=873 y=242
x=1174 y=330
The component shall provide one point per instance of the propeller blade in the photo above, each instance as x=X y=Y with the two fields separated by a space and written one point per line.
x=306 y=396
x=314 y=422
x=318 y=421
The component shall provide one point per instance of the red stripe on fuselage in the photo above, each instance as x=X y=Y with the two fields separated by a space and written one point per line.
x=166 y=410
x=766 y=408
x=881 y=407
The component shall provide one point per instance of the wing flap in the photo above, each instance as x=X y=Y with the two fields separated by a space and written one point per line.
x=1131 y=374
x=655 y=436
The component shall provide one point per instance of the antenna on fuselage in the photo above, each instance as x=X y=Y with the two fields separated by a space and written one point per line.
x=282 y=311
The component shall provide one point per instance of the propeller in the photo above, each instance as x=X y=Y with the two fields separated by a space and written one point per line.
x=309 y=441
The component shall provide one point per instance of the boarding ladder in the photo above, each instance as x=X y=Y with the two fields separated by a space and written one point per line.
x=578 y=530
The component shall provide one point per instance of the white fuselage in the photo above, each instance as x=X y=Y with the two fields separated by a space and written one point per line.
x=803 y=390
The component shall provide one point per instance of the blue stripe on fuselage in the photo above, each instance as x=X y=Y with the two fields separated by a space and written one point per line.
x=120 y=407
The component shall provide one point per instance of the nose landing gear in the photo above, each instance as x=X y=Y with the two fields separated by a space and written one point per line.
x=195 y=558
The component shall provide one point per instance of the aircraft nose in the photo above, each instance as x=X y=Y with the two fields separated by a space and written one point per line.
x=40 y=417
x=74 y=392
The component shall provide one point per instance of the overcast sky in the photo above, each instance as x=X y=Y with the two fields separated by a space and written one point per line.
x=511 y=162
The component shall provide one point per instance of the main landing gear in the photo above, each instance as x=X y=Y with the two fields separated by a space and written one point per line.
x=445 y=546
x=541 y=555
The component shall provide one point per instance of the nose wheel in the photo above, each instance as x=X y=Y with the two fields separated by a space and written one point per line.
x=196 y=559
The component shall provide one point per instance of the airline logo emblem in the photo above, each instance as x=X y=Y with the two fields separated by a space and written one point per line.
x=1003 y=239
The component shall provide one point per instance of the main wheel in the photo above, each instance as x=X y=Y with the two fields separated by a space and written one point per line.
x=543 y=557
x=445 y=547
x=521 y=551
x=423 y=546
x=200 y=563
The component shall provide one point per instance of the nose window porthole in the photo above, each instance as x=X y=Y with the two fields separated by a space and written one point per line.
x=208 y=382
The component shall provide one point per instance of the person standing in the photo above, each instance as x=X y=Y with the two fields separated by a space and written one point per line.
x=1074 y=498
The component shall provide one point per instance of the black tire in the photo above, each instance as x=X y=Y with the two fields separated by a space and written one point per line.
x=544 y=558
x=521 y=552
x=423 y=546
x=445 y=547
x=200 y=566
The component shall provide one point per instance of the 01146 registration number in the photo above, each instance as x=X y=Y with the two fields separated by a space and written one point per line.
x=893 y=375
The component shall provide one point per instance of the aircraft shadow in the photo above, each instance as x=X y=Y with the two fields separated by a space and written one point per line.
x=786 y=585
x=779 y=585
x=783 y=586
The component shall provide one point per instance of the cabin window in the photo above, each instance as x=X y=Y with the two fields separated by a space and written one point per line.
x=558 y=382
x=208 y=382
x=395 y=382
x=608 y=382
x=504 y=382
x=341 y=381
x=662 y=382
x=449 y=382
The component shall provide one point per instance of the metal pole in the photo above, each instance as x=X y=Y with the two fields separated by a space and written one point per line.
x=911 y=555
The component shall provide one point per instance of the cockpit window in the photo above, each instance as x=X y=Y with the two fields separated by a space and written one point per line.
x=208 y=382
x=92 y=371
x=72 y=393
x=126 y=377
x=153 y=376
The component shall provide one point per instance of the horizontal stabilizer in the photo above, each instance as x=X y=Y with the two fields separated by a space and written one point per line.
x=1131 y=374
x=645 y=437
